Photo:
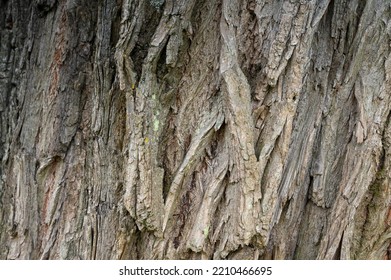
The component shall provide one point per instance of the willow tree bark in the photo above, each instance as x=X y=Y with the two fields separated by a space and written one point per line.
x=184 y=129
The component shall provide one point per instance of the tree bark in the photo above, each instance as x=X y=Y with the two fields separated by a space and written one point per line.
x=184 y=129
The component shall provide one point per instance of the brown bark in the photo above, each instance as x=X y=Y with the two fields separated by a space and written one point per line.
x=221 y=129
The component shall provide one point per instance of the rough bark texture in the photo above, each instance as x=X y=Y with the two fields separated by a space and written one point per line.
x=184 y=129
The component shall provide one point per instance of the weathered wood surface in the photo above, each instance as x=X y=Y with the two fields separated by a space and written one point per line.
x=184 y=129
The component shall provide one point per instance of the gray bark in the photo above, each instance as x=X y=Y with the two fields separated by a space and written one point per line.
x=219 y=129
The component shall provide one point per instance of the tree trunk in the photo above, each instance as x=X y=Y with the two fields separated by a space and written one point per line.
x=184 y=129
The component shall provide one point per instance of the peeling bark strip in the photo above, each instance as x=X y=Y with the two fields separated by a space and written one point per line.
x=148 y=129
